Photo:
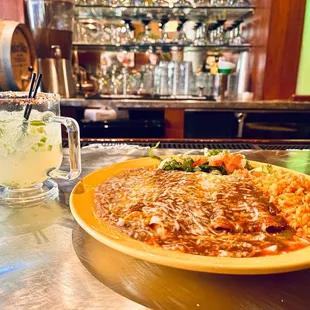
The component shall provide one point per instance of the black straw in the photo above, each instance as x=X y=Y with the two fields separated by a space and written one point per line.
x=33 y=79
x=29 y=105
x=37 y=85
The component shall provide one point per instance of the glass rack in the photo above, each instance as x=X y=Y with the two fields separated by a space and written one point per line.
x=151 y=13
x=153 y=46
x=175 y=48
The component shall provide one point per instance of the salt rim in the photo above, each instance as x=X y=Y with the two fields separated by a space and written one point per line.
x=21 y=98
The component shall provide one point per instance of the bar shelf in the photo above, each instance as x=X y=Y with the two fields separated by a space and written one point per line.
x=143 y=47
x=151 y=13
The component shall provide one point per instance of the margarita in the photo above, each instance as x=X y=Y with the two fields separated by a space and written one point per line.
x=28 y=151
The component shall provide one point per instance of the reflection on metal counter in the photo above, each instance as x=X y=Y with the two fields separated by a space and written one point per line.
x=47 y=261
x=160 y=287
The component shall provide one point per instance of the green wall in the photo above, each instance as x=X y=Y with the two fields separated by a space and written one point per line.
x=303 y=82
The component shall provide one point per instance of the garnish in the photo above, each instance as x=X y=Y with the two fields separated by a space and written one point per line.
x=248 y=166
x=200 y=161
x=262 y=170
x=37 y=123
x=225 y=163
x=267 y=169
x=173 y=164
x=215 y=152
x=152 y=150
x=187 y=164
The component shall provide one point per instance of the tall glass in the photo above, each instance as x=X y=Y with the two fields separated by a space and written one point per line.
x=31 y=151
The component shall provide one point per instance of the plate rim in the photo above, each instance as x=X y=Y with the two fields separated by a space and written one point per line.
x=291 y=261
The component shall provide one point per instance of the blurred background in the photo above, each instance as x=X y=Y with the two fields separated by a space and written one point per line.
x=174 y=69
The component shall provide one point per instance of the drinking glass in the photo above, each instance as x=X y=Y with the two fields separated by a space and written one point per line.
x=238 y=38
x=161 y=79
x=147 y=79
x=186 y=78
x=180 y=78
x=163 y=3
x=146 y=36
x=241 y=2
x=182 y=38
x=31 y=151
x=162 y=25
x=201 y=34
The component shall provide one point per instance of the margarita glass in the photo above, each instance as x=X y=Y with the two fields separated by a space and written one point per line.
x=31 y=151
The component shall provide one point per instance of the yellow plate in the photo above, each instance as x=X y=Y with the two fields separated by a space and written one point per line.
x=82 y=208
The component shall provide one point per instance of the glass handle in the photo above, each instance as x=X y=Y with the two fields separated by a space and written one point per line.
x=74 y=148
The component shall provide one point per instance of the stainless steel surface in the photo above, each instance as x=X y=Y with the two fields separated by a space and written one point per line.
x=241 y=118
x=243 y=72
x=67 y=88
x=196 y=104
x=57 y=74
x=47 y=67
x=51 y=23
x=48 y=262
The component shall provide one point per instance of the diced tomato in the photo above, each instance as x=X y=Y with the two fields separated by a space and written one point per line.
x=200 y=161
x=231 y=161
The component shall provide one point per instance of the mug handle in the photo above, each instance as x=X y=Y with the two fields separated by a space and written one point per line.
x=74 y=148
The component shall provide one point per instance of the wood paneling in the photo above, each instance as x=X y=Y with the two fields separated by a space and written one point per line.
x=260 y=30
x=301 y=98
x=174 y=123
x=283 y=49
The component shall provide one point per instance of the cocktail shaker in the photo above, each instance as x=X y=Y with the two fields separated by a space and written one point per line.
x=51 y=23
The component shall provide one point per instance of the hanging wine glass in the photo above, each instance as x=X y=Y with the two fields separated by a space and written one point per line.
x=197 y=33
x=184 y=3
x=162 y=3
x=129 y=34
x=241 y=3
x=238 y=37
x=219 y=39
x=217 y=2
x=212 y=33
x=162 y=25
x=201 y=34
x=182 y=39
x=146 y=36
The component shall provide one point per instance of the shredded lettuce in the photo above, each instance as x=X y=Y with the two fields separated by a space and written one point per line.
x=173 y=164
x=214 y=152
x=187 y=165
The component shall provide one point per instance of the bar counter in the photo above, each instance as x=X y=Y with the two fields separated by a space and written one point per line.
x=137 y=103
x=175 y=109
x=48 y=262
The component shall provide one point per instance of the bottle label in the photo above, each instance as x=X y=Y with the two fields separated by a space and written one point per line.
x=20 y=59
